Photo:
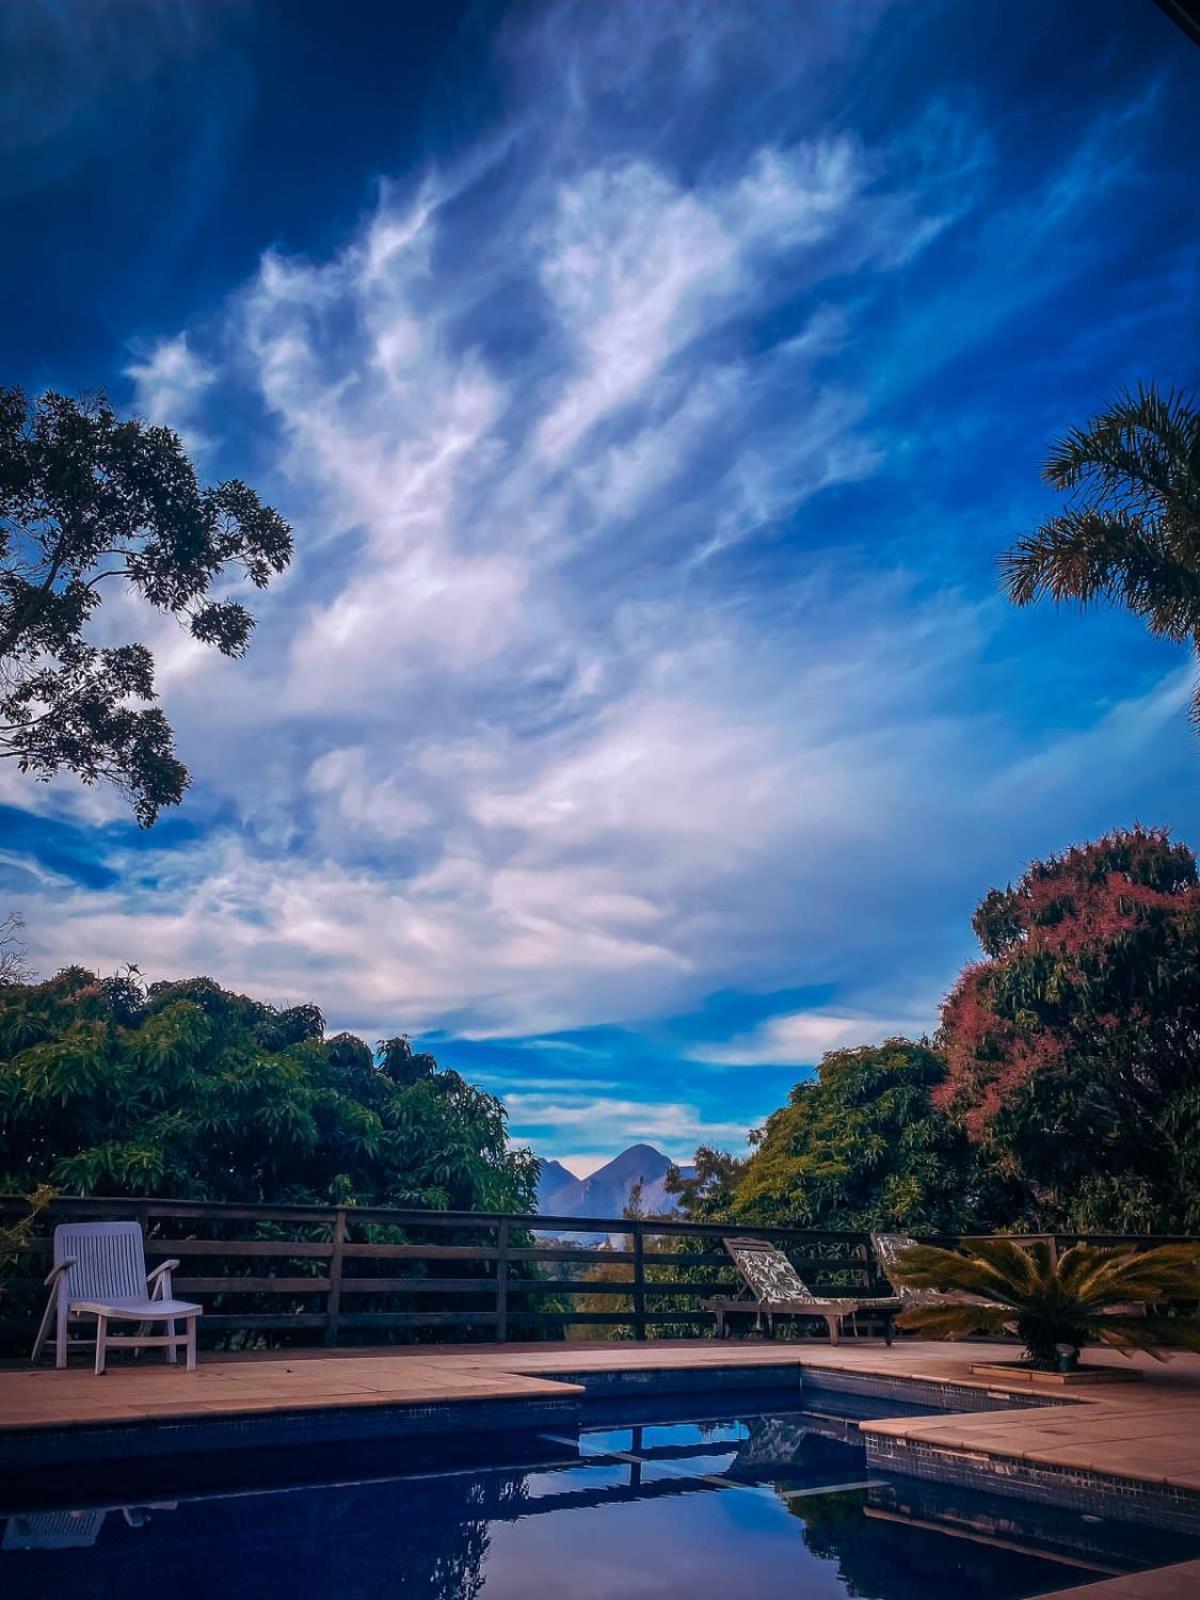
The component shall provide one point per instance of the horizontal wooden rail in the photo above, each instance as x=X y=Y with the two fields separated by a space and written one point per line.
x=313 y=1273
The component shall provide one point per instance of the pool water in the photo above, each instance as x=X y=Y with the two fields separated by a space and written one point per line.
x=721 y=1504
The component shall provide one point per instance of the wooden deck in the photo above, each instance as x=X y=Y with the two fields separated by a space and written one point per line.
x=1148 y=1431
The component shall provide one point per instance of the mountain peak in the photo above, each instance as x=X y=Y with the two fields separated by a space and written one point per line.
x=606 y=1192
x=639 y=1161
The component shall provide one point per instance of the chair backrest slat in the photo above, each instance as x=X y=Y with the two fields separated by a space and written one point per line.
x=110 y=1260
x=769 y=1274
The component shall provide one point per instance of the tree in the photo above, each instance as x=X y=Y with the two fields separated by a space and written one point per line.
x=87 y=500
x=1131 y=533
x=1073 y=1047
x=708 y=1192
x=187 y=1090
x=862 y=1145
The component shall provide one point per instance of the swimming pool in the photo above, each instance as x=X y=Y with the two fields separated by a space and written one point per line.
x=705 y=1500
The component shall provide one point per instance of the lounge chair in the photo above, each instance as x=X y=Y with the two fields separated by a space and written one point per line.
x=100 y=1271
x=775 y=1289
x=888 y=1247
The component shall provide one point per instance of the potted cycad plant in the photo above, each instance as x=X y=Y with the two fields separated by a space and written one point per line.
x=1122 y=1297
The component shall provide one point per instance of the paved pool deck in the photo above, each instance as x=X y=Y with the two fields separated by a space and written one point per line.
x=1138 y=1438
x=1149 y=1430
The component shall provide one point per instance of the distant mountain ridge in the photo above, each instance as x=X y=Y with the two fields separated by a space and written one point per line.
x=606 y=1192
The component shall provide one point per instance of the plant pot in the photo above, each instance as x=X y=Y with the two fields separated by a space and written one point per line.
x=1020 y=1373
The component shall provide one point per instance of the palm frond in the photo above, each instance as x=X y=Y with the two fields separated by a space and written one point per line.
x=997 y=1269
x=1087 y=555
x=1130 y=534
x=955 y=1320
x=1152 y=1335
x=1133 y=449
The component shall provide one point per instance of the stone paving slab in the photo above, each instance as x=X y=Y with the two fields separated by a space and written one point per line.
x=1180 y=1582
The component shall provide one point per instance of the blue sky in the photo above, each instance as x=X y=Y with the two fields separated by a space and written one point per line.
x=652 y=389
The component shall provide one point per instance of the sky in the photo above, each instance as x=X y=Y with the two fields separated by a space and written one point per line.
x=652 y=389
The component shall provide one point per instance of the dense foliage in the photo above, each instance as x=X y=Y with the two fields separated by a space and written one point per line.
x=862 y=1145
x=185 y=1089
x=1073 y=1047
x=1130 y=530
x=88 y=500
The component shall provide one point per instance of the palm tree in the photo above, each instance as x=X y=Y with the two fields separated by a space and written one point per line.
x=1131 y=532
x=1083 y=1297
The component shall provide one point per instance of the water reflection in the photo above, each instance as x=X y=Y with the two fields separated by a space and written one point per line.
x=72 y=1530
x=707 y=1509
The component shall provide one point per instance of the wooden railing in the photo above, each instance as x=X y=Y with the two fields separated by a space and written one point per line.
x=334 y=1275
x=317 y=1274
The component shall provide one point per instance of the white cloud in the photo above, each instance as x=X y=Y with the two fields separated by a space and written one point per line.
x=610 y=1121
x=170 y=384
x=801 y=1038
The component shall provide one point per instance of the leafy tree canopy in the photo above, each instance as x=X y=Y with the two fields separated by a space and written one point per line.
x=1073 y=1047
x=861 y=1145
x=1062 y=1092
x=185 y=1089
x=86 y=500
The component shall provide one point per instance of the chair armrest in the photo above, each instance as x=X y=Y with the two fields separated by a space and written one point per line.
x=159 y=1281
x=59 y=1268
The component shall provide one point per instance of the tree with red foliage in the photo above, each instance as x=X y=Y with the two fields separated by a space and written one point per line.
x=1073 y=1048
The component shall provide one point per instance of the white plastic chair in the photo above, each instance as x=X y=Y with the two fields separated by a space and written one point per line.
x=100 y=1271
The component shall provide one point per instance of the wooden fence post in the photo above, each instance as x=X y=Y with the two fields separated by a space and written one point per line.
x=333 y=1301
x=639 y=1282
x=501 y=1282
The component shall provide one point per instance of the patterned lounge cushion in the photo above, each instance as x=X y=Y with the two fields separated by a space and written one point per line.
x=769 y=1273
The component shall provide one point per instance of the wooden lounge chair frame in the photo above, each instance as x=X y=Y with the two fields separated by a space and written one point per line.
x=773 y=1288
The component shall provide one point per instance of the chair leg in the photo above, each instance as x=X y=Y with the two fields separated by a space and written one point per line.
x=101 y=1334
x=60 y=1330
x=47 y=1319
x=191 y=1344
x=834 y=1332
x=172 y=1352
